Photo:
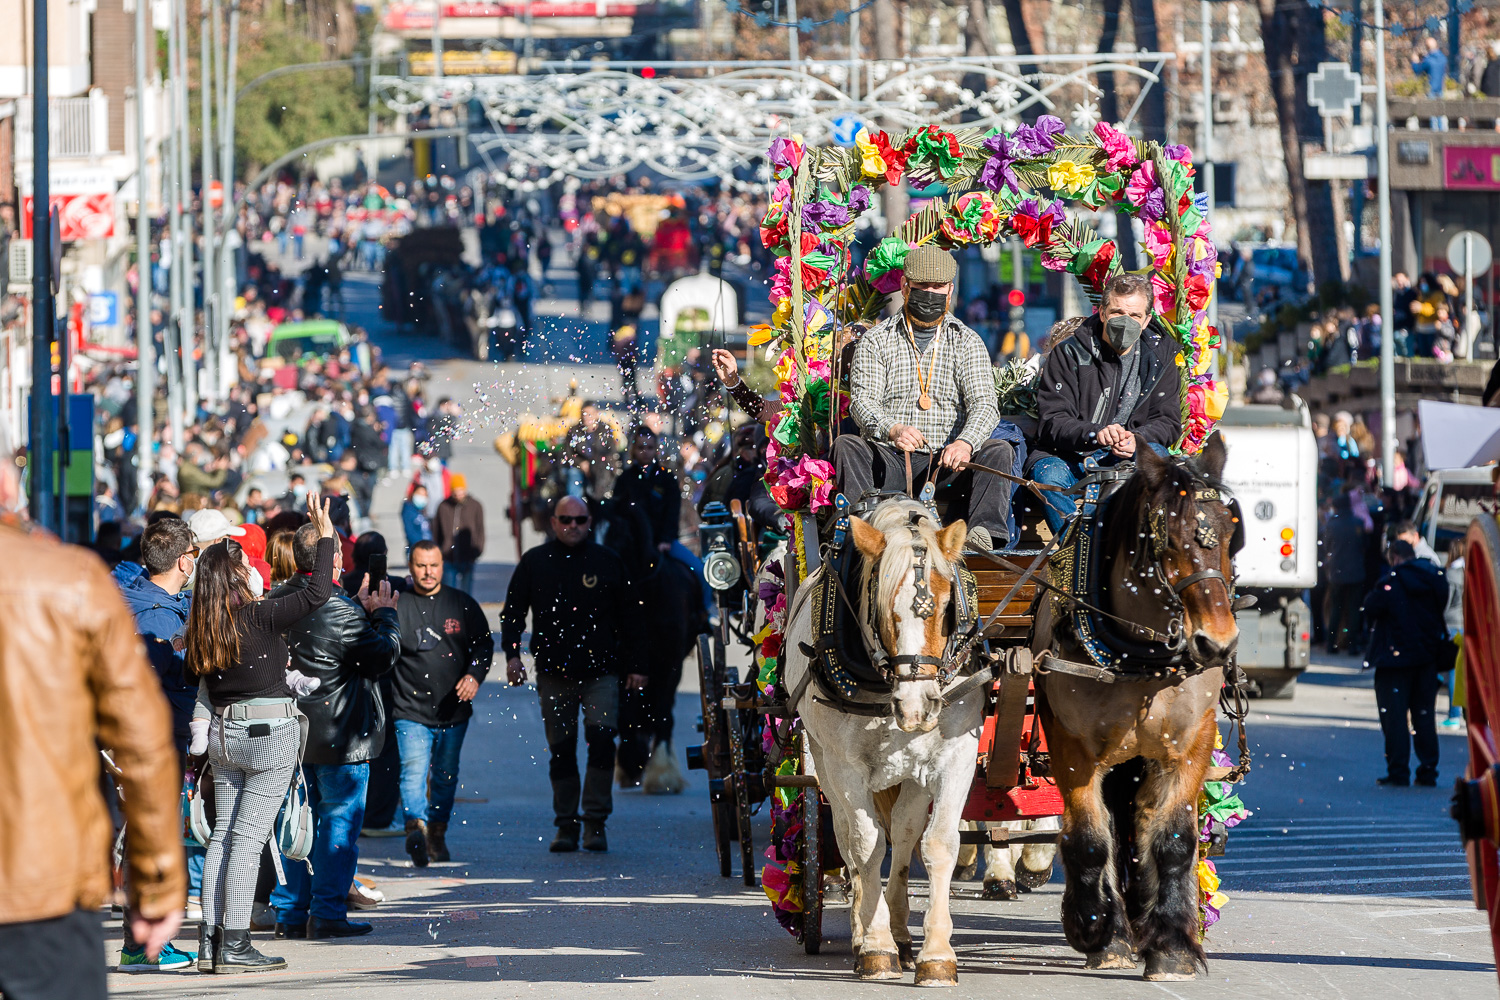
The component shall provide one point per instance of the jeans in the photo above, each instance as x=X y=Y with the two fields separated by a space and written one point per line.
x=1449 y=680
x=599 y=700
x=459 y=576
x=984 y=499
x=1399 y=692
x=684 y=555
x=1051 y=470
x=336 y=793
x=403 y=446
x=195 y=855
x=427 y=749
x=57 y=959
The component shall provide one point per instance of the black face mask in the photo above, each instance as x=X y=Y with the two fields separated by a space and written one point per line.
x=926 y=306
x=1122 y=332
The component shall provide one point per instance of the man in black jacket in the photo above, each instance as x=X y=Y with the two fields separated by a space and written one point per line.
x=1405 y=609
x=577 y=594
x=345 y=647
x=446 y=649
x=653 y=488
x=1114 y=379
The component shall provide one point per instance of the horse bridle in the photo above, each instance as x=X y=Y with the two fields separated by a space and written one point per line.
x=924 y=606
x=1205 y=535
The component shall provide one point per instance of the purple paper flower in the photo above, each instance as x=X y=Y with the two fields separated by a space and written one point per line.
x=1034 y=140
x=997 y=171
x=1177 y=151
x=828 y=214
x=859 y=199
x=1154 y=205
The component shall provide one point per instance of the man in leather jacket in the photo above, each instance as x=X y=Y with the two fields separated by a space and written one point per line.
x=344 y=647
x=73 y=678
x=1113 y=382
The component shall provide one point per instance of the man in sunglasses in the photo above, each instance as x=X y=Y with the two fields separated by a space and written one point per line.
x=576 y=592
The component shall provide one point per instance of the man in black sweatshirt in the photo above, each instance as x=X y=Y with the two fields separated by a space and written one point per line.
x=446 y=648
x=578 y=597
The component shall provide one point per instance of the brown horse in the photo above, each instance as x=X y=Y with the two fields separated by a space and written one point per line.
x=1129 y=757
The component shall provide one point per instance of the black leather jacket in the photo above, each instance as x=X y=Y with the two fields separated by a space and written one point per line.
x=346 y=649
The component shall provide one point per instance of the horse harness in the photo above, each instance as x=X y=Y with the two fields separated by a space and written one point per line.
x=847 y=657
x=1111 y=651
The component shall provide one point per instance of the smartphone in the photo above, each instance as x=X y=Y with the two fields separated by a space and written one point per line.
x=377 y=570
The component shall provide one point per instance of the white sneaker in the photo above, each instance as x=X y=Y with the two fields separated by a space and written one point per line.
x=194 y=909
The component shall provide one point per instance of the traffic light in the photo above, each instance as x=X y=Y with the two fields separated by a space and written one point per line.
x=1017 y=300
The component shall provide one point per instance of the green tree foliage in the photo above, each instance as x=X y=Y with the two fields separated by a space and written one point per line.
x=285 y=112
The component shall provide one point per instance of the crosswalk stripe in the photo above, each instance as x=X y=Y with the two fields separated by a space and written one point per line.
x=1228 y=872
x=1274 y=886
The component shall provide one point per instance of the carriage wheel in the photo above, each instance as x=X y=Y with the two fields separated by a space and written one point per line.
x=1476 y=797
x=709 y=684
x=812 y=864
x=739 y=776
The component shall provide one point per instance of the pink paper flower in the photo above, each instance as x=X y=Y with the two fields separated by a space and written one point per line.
x=1117 y=144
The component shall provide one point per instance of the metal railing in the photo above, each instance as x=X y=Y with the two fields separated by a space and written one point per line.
x=78 y=127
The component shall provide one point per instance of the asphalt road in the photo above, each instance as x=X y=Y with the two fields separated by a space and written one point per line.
x=1337 y=888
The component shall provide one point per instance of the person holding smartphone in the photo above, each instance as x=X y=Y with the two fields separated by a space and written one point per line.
x=247 y=721
x=347 y=644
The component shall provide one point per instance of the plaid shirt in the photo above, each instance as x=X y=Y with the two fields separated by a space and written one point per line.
x=884 y=390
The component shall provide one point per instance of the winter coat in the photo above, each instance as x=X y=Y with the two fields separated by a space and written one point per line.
x=160 y=618
x=459 y=530
x=346 y=649
x=1079 y=393
x=1405 y=609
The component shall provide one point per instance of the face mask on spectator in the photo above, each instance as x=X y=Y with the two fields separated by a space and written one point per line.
x=256 y=584
x=420 y=500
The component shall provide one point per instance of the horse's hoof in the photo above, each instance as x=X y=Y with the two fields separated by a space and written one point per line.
x=1028 y=879
x=937 y=973
x=1167 y=967
x=878 y=965
x=907 y=954
x=966 y=873
x=1116 y=956
x=1000 y=888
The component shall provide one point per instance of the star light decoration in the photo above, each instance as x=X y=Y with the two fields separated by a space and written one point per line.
x=695 y=124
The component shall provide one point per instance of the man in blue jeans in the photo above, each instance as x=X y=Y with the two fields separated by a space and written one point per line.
x=446 y=648
x=345 y=645
x=1112 y=383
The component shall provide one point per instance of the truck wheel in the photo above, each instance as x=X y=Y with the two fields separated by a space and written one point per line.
x=1284 y=688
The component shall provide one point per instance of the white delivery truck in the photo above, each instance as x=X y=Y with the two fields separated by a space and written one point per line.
x=1273 y=471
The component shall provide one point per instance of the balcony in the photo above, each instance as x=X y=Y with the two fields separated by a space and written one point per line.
x=77 y=127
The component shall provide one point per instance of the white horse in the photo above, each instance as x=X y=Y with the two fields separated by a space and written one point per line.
x=882 y=773
x=1016 y=868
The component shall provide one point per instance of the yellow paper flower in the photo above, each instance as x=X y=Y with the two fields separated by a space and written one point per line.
x=1205 y=359
x=871 y=163
x=1215 y=399
x=817 y=348
x=781 y=313
x=1070 y=176
x=1179 y=359
x=761 y=333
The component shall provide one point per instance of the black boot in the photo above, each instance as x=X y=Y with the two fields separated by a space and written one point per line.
x=237 y=954
x=566 y=840
x=319 y=928
x=593 y=836
x=209 y=939
x=416 y=842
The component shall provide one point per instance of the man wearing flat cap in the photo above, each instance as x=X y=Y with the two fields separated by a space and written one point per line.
x=922 y=389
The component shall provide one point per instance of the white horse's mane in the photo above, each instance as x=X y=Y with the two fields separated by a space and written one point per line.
x=892 y=519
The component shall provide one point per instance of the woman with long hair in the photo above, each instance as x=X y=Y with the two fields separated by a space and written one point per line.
x=247 y=721
x=279 y=555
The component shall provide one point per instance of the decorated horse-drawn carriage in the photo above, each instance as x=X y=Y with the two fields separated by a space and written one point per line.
x=902 y=683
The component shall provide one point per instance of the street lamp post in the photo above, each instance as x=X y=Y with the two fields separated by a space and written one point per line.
x=43 y=428
x=1387 y=308
x=228 y=282
x=145 y=354
x=206 y=90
